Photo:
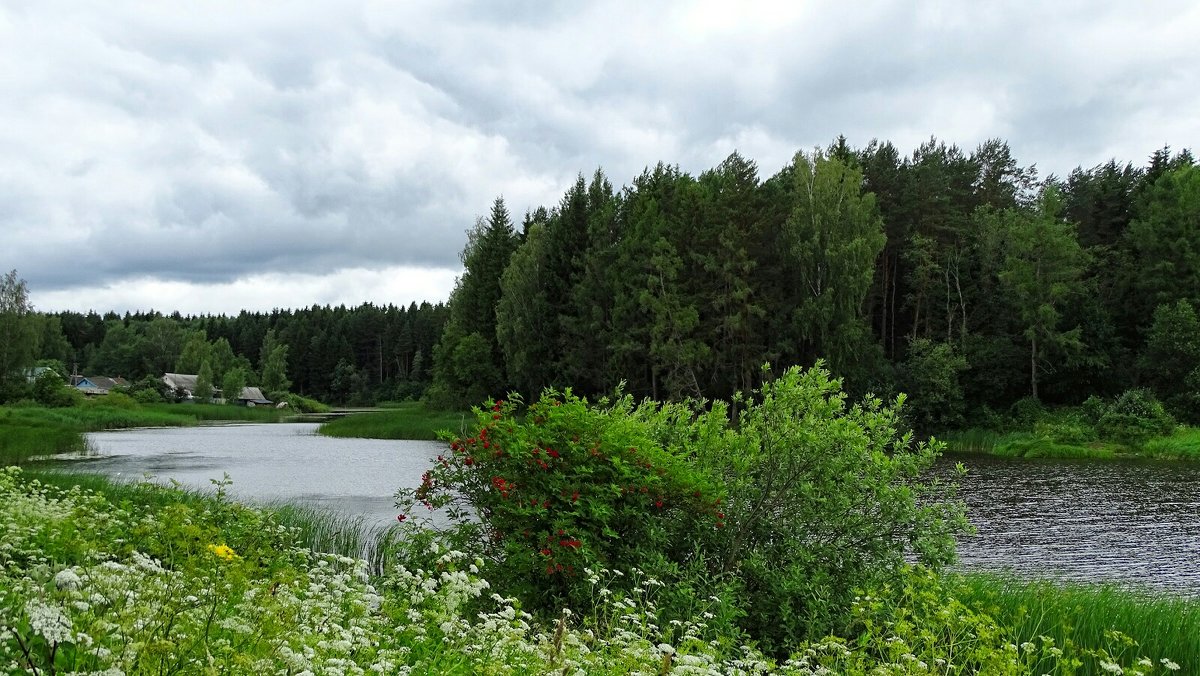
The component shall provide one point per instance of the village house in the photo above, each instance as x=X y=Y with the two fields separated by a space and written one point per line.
x=185 y=385
x=94 y=386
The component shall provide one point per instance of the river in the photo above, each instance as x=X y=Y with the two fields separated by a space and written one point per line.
x=1079 y=520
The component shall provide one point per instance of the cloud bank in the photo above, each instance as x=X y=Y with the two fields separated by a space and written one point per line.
x=215 y=156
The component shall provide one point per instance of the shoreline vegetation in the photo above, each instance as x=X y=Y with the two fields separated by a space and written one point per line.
x=29 y=431
x=409 y=420
x=251 y=589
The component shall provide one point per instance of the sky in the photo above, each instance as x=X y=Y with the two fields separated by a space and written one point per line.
x=209 y=157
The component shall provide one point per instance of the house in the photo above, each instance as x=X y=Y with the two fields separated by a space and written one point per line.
x=97 y=385
x=181 y=383
x=252 y=396
x=186 y=384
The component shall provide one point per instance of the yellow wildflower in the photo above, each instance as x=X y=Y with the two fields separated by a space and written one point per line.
x=223 y=551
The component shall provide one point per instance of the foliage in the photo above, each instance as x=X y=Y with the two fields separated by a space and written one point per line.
x=801 y=501
x=274 y=356
x=50 y=390
x=1135 y=417
x=1132 y=623
x=568 y=487
x=18 y=336
x=232 y=384
x=406 y=420
x=930 y=376
x=1170 y=362
x=143 y=579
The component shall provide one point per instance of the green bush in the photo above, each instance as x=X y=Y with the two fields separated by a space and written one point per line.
x=570 y=487
x=801 y=501
x=50 y=390
x=1027 y=411
x=1134 y=418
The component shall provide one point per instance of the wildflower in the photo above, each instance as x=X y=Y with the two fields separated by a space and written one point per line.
x=401 y=517
x=223 y=551
x=552 y=453
x=1111 y=667
x=67 y=579
x=1169 y=665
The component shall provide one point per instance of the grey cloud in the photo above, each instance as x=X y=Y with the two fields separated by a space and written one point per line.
x=208 y=143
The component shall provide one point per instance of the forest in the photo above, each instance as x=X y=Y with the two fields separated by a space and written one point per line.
x=962 y=279
x=345 y=355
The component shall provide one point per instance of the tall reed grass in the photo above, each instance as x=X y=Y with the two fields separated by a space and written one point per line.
x=1184 y=444
x=1164 y=626
x=409 y=420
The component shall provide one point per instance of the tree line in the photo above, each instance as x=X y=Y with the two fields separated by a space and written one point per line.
x=961 y=278
x=356 y=355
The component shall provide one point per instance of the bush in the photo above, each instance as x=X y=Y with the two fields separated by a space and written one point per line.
x=1134 y=418
x=1027 y=411
x=570 y=487
x=298 y=403
x=50 y=390
x=791 y=509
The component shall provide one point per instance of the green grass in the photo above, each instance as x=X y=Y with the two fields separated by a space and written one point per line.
x=409 y=420
x=31 y=431
x=1164 y=626
x=222 y=412
x=1184 y=444
x=317 y=529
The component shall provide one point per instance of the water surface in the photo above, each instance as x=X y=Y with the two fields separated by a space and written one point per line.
x=270 y=462
x=1079 y=520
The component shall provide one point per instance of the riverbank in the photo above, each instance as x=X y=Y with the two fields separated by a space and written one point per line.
x=31 y=431
x=144 y=578
x=406 y=420
x=1181 y=444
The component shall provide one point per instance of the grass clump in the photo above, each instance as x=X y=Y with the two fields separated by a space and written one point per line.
x=1183 y=444
x=406 y=420
x=1132 y=623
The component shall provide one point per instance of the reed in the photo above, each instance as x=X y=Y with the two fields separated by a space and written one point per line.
x=409 y=420
x=1184 y=444
x=1163 y=625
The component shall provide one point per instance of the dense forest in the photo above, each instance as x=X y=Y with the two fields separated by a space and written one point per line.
x=960 y=278
x=345 y=355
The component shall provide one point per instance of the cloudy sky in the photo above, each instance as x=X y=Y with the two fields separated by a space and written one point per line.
x=211 y=156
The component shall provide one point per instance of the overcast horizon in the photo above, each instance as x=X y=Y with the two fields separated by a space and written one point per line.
x=209 y=159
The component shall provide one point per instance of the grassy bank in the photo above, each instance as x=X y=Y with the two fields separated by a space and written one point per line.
x=408 y=420
x=141 y=579
x=29 y=431
x=1182 y=444
x=1162 y=626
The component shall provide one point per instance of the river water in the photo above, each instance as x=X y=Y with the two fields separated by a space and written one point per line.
x=1079 y=520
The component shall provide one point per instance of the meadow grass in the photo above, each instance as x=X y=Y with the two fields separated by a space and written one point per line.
x=30 y=431
x=319 y=530
x=1162 y=625
x=1184 y=444
x=408 y=420
x=206 y=412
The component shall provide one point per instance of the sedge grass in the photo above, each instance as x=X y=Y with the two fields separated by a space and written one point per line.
x=1183 y=444
x=409 y=420
x=1163 y=626
x=317 y=529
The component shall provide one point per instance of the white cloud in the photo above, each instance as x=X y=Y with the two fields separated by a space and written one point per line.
x=399 y=285
x=206 y=145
